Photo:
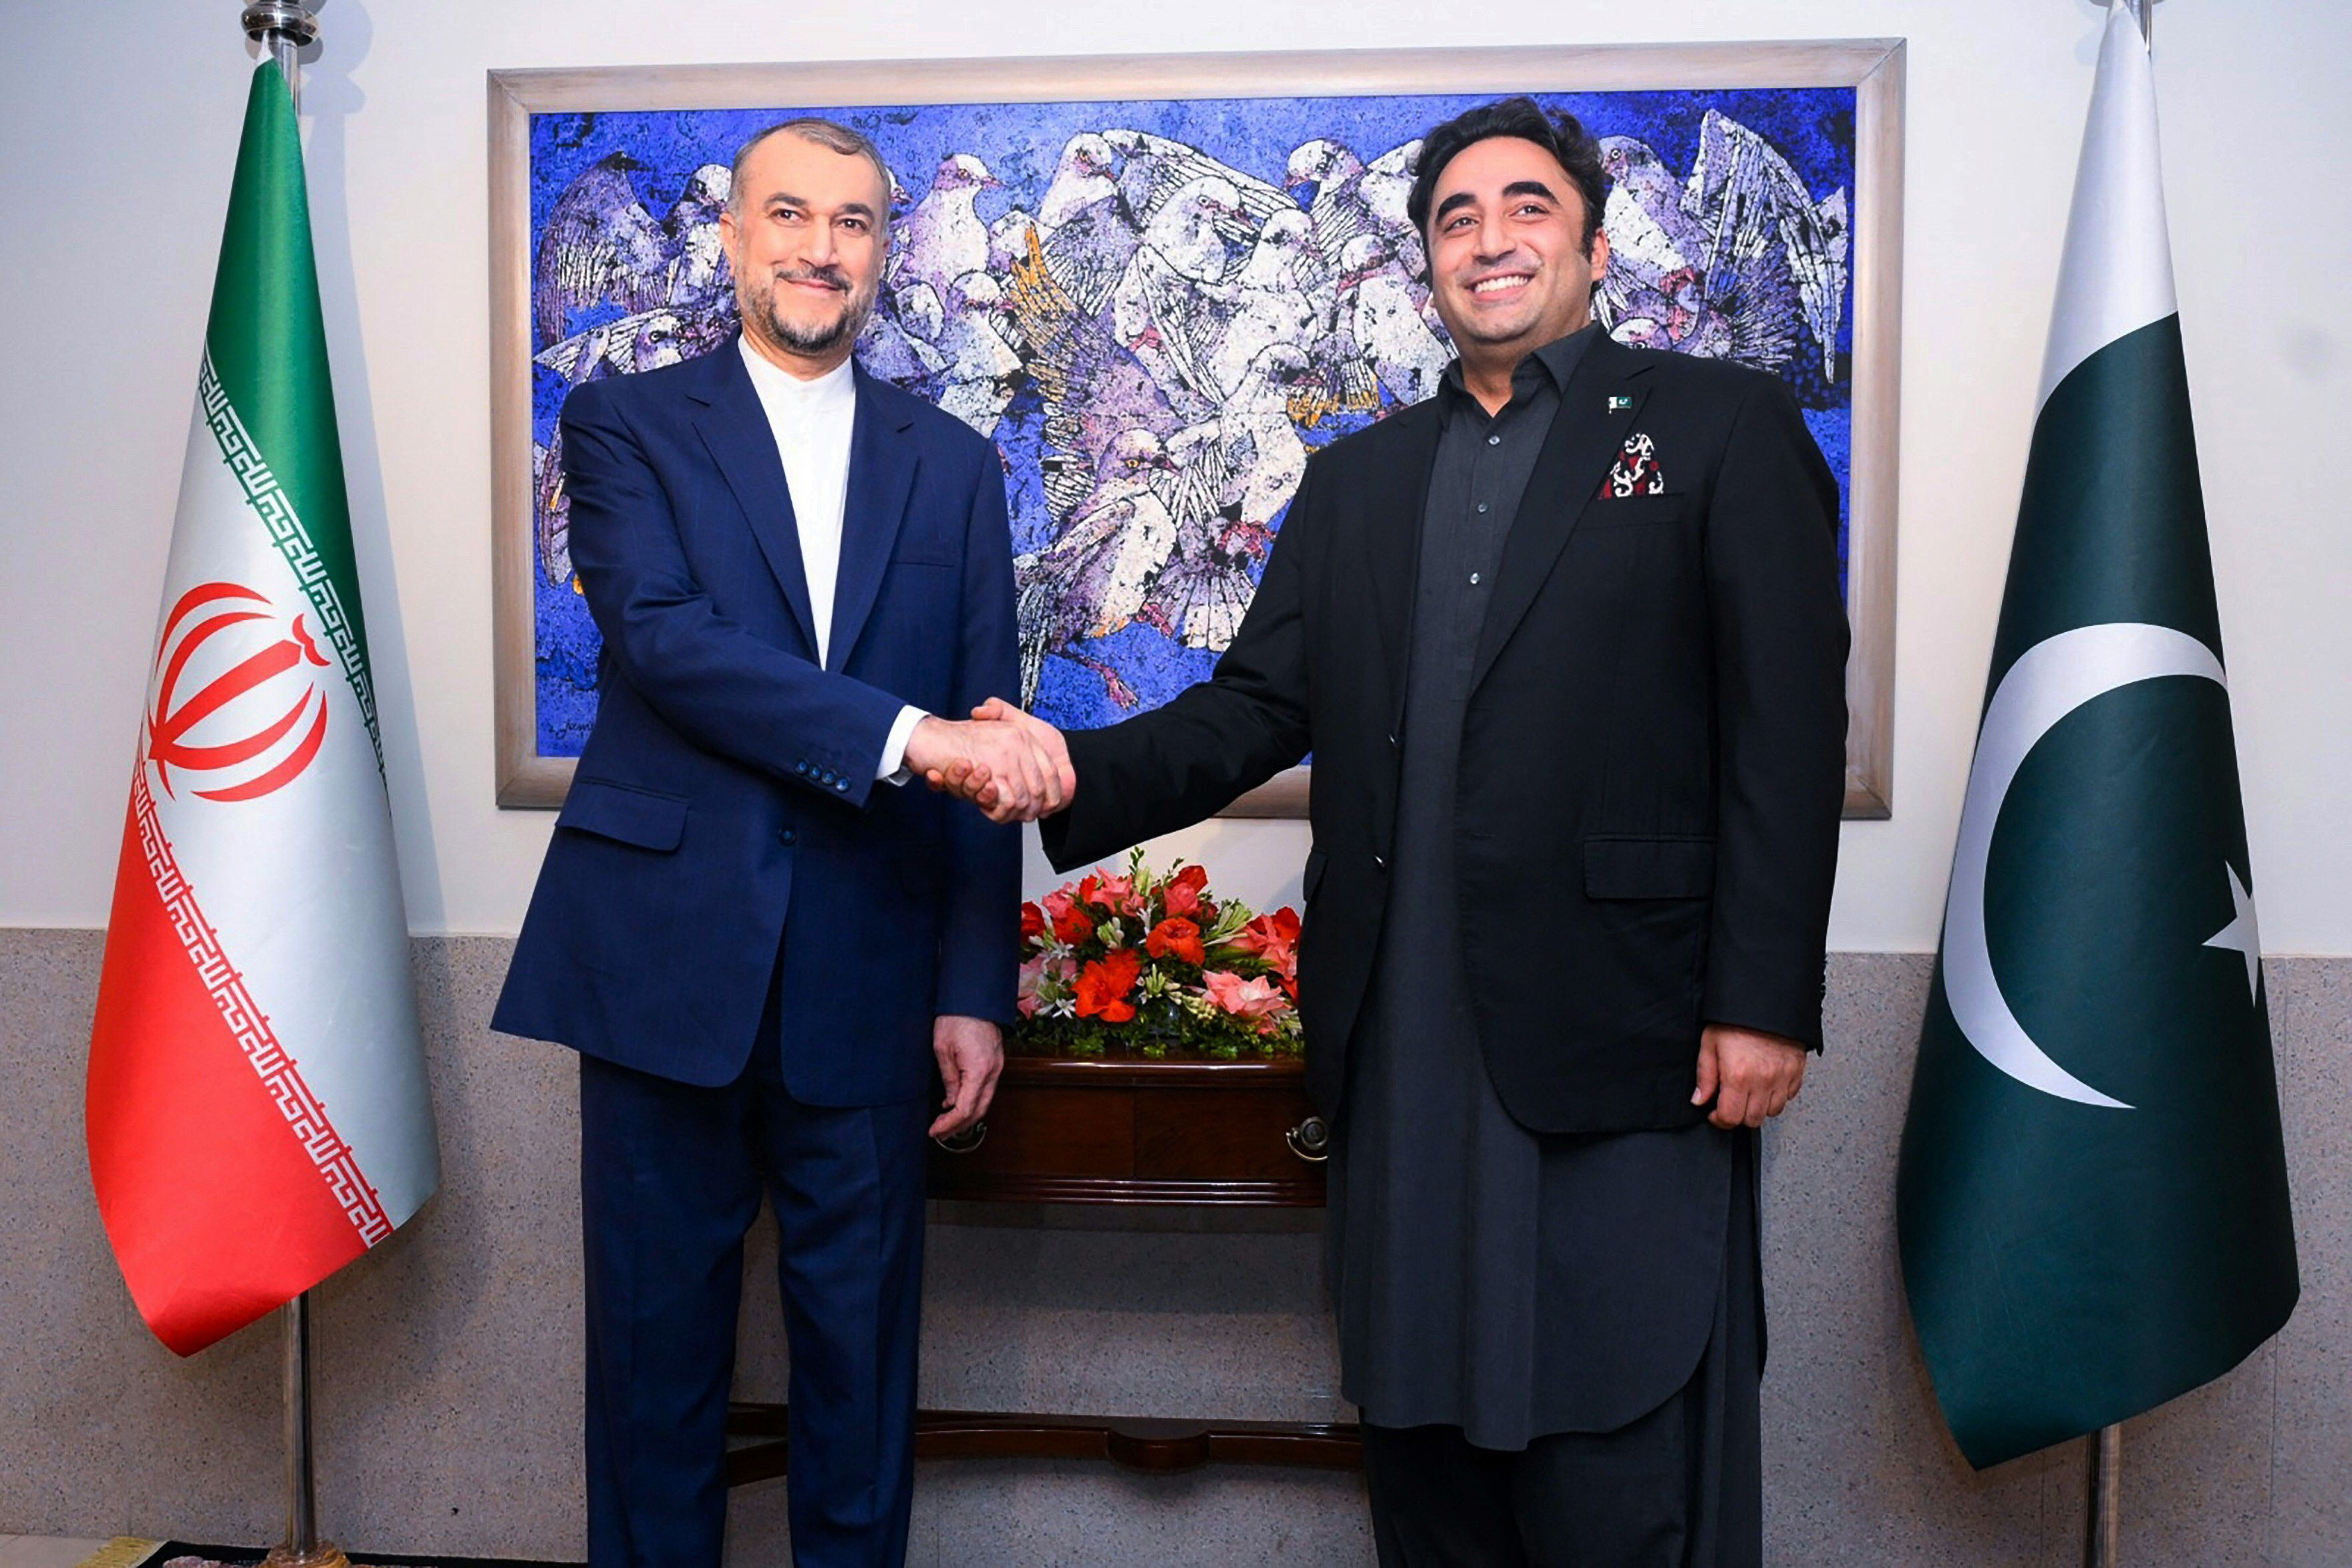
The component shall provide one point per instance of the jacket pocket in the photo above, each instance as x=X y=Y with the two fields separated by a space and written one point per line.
x=624 y=813
x=1627 y=865
x=1633 y=511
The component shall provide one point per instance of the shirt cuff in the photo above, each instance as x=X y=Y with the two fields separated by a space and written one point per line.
x=893 y=767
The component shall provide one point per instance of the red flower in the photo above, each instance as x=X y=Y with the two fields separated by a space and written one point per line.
x=1273 y=939
x=1103 y=986
x=1267 y=934
x=1177 y=938
x=1033 y=923
x=1182 y=894
x=1071 y=924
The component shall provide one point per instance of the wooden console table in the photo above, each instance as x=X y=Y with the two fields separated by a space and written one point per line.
x=1118 y=1131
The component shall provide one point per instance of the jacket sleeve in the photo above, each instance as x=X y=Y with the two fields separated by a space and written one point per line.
x=725 y=689
x=1189 y=757
x=980 y=946
x=1779 y=635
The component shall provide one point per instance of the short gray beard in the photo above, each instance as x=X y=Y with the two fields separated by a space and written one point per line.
x=844 y=329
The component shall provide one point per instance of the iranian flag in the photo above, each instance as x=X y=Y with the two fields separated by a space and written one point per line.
x=2093 y=1195
x=257 y=1108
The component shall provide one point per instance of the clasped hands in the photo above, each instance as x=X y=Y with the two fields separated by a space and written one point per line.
x=1013 y=766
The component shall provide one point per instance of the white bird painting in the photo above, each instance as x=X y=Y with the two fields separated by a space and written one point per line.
x=1158 y=337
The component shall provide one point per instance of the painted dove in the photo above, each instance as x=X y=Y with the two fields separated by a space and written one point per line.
x=599 y=245
x=944 y=237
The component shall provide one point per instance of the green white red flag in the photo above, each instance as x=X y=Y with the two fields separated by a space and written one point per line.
x=257 y=1108
x=2092 y=1197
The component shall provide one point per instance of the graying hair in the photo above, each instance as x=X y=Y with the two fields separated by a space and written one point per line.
x=827 y=134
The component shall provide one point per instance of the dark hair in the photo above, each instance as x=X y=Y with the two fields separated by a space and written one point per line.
x=1562 y=134
x=826 y=133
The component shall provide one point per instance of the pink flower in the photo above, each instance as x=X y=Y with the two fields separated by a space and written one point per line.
x=1116 y=895
x=1268 y=932
x=1253 y=998
x=1035 y=974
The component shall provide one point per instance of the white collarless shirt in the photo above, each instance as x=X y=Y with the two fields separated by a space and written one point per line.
x=811 y=422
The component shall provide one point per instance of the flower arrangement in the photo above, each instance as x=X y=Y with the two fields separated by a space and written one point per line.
x=1146 y=964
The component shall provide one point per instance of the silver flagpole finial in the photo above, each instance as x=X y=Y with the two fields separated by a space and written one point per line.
x=291 y=17
x=283 y=27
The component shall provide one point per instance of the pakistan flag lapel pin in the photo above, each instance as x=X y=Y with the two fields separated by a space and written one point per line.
x=1619 y=403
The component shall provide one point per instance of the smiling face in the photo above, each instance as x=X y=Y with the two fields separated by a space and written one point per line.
x=805 y=237
x=1508 y=268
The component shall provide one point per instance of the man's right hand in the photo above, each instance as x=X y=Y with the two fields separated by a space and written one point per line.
x=1013 y=767
x=1040 y=781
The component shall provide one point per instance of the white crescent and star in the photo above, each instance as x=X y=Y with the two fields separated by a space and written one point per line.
x=2242 y=935
x=2048 y=682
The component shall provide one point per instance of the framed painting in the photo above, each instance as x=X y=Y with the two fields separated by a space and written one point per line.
x=1158 y=284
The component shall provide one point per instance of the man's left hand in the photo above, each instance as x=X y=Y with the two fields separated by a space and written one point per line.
x=1751 y=1076
x=970 y=1053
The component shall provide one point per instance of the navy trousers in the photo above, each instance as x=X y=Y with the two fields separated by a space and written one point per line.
x=670 y=1178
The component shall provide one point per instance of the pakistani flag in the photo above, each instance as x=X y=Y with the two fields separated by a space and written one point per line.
x=2092 y=1198
x=257 y=1106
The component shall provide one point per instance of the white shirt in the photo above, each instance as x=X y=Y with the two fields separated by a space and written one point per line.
x=811 y=421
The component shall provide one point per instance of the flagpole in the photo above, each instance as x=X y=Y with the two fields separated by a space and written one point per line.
x=301 y=1548
x=2103 y=1534
x=2103 y=1524
x=284 y=27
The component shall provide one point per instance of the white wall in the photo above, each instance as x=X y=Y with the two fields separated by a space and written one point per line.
x=121 y=128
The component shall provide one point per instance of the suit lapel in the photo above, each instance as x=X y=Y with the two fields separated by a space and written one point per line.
x=1392 y=541
x=1584 y=439
x=735 y=428
x=881 y=475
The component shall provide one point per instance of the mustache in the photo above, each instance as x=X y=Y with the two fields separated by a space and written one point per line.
x=830 y=276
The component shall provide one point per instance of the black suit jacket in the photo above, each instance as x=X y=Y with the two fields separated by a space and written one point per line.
x=1652 y=757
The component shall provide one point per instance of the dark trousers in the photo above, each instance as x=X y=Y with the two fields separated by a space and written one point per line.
x=1572 y=1499
x=670 y=1178
x=1681 y=1486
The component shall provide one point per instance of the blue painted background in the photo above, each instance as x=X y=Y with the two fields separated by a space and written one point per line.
x=1812 y=127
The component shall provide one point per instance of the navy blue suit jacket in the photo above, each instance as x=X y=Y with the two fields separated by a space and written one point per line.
x=725 y=807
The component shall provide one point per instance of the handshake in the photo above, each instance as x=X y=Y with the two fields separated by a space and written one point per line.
x=1012 y=766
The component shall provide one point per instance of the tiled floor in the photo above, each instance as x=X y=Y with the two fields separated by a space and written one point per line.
x=44 y=1550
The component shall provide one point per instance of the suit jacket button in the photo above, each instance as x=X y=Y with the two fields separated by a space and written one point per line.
x=842 y=785
x=786 y=837
x=800 y=768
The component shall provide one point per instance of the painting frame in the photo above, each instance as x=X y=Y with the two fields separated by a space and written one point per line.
x=1872 y=67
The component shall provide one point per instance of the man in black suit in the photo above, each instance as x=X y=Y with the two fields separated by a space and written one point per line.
x=1566 y=643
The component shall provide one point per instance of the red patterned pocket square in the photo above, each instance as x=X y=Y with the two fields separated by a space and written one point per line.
x=1635 y=472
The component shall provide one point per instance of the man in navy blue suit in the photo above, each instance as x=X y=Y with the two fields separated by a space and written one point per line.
x=759 y=942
